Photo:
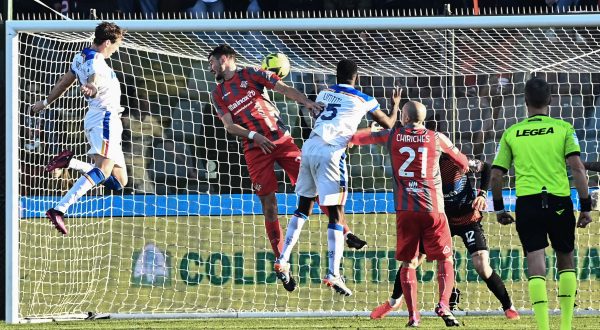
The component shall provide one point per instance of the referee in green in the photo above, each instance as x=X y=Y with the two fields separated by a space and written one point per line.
x=538 y=147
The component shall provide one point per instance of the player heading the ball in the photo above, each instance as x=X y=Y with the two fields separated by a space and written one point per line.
x=239 y=103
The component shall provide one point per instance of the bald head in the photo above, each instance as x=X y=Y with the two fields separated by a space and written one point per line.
x=414 y=112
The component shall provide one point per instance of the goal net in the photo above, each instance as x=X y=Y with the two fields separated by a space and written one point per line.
x=186 y=235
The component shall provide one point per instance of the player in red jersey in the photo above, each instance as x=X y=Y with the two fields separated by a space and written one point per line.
x=463 y=206
x=240 y=105
x=419 y=200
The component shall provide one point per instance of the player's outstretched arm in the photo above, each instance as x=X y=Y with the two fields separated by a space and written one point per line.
x=295 y=95
x=57 y=91
x=581 y=183
x=383 y=119
x=592 y=166
x=366 y=136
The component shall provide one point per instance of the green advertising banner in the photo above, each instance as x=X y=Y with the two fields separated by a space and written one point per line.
x=207 y=264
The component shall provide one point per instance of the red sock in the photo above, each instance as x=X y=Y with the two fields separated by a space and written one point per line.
x=275 y=236
x=325 y=211
x=445 y=277
x=408 y=279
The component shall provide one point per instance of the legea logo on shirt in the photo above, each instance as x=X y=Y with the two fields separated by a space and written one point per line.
x=244 y=84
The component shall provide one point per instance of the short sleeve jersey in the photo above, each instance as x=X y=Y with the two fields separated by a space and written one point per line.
x=344 y=107
x=538 y=146
x=242 y=97
x=89 y=62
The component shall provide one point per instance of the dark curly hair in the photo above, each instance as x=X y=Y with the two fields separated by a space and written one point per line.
x=107 y=31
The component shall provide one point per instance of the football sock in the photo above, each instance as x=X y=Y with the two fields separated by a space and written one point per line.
x=111 y=182
x=539 y=301
x=292 y=233
x=408 y=278
x=335 y=247
x=80 y=166
x=567 y=284
x=80 y=188
x=275 y=236
x=496 y=286
x=397 y=292
x=445 y=277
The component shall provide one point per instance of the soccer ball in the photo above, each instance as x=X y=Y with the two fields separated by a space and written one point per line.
x=277 y=63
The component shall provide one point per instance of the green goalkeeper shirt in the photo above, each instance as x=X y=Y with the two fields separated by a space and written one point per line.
x=538 y=147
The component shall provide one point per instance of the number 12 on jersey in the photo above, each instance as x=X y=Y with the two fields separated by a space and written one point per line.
x=411 y=157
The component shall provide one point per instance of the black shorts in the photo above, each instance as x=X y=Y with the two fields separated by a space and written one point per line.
x=536 y=224
x=472 y=235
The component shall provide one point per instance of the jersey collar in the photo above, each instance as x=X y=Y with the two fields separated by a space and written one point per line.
x=539 y=114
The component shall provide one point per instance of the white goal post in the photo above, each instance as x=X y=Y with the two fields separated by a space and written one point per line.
x=206 y=234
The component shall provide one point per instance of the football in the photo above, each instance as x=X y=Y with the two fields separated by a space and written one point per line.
x=277 y=63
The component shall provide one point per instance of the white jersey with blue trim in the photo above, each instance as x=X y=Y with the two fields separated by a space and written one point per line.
x=90 y=62
x=343 y=109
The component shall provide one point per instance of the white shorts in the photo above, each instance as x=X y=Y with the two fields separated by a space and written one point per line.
x=104 y=136
x=323 y=172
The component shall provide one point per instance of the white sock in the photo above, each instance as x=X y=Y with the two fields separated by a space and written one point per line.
x=335 y=247
x=80 y=166
x=291 y=235
x=393 y=302
x=346 y=234
x=81 y=186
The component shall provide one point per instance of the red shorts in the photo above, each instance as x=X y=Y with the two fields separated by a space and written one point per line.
x=429 y=229
x=262 y=166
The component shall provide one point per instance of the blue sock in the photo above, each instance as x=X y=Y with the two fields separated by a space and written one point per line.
x=112 y=183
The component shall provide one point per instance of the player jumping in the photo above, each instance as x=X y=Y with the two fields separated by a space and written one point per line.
x=102 y=123
x=240 y=105
x=323 y=165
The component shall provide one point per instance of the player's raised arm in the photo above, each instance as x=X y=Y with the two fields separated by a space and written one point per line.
x=382 y=118
x=366 y=136
x=452 y=151
x=57 y=91
x=296 y=95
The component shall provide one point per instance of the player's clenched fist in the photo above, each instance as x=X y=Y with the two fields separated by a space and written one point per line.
x=38 y=106
x=89 y=90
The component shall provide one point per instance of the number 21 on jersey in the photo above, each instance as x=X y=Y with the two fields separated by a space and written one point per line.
x=411 y=157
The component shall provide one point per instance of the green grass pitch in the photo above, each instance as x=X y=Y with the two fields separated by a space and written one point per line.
x=223 y=264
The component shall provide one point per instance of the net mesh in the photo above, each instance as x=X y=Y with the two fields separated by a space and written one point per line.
x=187 y=235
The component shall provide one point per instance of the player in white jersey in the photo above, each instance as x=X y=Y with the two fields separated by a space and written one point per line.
x=323 y=165
x=102 y=123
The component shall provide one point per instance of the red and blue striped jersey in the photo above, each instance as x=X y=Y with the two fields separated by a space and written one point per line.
x=415 y=155
x=242 y=96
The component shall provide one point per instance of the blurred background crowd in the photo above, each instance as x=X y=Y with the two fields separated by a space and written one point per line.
x=175 y=144
x=82 y=8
